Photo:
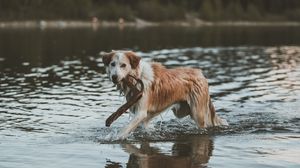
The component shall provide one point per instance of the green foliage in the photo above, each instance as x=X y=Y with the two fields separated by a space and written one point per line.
x=218 y=9
x=294 y=15
x=152 y=10
x=234 y=11
x=252 y=13
x=207 y=10
x=113 y=11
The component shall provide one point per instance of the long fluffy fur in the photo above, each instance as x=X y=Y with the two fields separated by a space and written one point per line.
x=186 y=89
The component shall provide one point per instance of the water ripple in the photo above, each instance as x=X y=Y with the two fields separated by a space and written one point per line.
x=254 y=88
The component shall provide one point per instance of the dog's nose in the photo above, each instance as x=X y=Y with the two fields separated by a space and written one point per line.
x=114 y=78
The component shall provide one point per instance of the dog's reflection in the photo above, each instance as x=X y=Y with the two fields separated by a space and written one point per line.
x=193 y=151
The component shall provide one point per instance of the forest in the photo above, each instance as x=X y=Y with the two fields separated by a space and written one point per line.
x=151 y=10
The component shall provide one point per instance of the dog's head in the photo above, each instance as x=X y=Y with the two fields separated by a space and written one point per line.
x=119 y=64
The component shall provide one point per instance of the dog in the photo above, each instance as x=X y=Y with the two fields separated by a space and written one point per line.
x=184 y=89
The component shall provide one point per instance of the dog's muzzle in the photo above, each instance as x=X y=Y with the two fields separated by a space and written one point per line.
x=114 y=79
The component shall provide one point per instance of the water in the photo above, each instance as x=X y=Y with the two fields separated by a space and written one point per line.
x=55 y=98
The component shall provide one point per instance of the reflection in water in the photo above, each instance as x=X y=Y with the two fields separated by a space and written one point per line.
x=193 y=151
x=59 y=102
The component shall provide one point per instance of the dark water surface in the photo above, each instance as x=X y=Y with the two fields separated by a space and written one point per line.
x=55 y=97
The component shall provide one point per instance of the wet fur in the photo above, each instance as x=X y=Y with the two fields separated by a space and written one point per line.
x=186 y=89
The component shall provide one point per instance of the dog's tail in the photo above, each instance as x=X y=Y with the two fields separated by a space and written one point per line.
x=215 y=119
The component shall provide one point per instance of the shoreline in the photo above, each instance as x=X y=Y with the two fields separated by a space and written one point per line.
x=138 y=23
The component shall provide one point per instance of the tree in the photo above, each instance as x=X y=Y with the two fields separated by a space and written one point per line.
x=207 y=11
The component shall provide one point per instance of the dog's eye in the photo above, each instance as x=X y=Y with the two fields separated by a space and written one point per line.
x=113 y=64
x=123 y=65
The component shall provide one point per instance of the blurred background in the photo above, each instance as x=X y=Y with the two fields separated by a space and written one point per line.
x=151 y=10
x=55 y=96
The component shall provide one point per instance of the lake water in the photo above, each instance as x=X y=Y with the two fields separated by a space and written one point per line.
x=55 y=98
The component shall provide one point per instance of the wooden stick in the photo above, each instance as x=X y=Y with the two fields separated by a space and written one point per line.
x=137 y=95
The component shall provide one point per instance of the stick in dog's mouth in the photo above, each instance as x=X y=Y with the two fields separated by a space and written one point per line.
x=136 y=95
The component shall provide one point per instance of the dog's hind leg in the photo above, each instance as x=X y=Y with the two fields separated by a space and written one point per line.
x=200 y=111
x=215 y=119
x=181 y=109
x=203 y=112
x=197 y=113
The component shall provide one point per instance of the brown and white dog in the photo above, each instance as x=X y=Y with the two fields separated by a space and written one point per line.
x=183 y=89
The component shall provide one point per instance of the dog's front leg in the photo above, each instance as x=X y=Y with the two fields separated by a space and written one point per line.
x=140 y=116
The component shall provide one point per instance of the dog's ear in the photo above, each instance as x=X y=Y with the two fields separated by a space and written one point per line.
x=106 y=57
x=133 y=59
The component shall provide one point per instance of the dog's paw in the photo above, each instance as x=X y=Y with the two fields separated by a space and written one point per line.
x=224 y=122
x=112 y=136
x=122 y=136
